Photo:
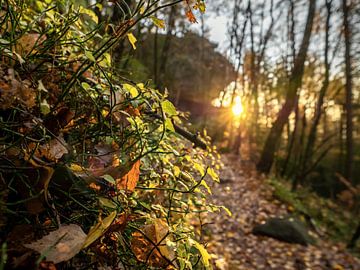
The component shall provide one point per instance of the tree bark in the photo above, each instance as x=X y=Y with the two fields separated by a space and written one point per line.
x=348 y=89
x=319 y=106
x=295 y=80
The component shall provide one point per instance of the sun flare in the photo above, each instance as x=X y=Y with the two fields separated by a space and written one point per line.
x=237 y=109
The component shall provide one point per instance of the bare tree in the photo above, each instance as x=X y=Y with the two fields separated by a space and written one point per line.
x=348 y=91
x=295 y=81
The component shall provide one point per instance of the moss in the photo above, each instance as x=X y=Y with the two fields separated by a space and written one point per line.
x=338 y=223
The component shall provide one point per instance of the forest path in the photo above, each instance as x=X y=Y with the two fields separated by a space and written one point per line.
x=251 y=201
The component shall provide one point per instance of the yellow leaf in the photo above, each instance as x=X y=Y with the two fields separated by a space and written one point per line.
x=205 y=256
x=158 y=22
x=131 y=89
x=199 y=168
x=177 y=171
x=204 y=184
x=98 y=230
x=90 y=13
x=132 y=40
x=213 y=175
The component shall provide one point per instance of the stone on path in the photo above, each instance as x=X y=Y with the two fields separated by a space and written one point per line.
x=287 y=230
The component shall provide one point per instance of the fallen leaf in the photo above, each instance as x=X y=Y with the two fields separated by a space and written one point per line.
x=60 y=245
x=142 y=244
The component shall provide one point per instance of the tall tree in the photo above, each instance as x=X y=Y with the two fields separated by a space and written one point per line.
x=348 y=91
x=319 y=105
x=295 y=80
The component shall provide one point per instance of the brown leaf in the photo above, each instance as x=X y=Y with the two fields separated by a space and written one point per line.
x=27 y=42
x=60 y=245
x=129 y=181
x=158 y=255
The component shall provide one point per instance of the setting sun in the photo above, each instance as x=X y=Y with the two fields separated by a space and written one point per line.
x=237 y=108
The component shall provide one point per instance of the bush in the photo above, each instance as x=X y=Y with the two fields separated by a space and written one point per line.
x=84 y=147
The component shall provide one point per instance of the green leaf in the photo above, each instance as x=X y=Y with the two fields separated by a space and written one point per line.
x=44 y=107
x=169 y=125
x=99 y=229
x=90 y=56
x=132 y=40
x=4 y=41
x=145 y=205
x=85 y=85
x=168 y=108
x=107 y=203
x=158 y=22
x=109 y=178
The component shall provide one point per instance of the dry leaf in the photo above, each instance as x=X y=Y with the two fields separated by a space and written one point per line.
x=146 y=251
x=60 y=245
x=128 y=181
x=190 y=15
x=27 y=42
x=99 y=229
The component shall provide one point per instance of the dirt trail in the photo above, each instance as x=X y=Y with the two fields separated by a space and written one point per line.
x=234 y=247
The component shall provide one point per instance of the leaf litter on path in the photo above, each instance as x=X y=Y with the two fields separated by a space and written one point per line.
x=234 y=247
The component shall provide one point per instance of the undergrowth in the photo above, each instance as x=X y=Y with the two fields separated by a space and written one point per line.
x=88 y=152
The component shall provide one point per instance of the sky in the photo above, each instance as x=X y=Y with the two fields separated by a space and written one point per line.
x=217 y=26
x=218 y=29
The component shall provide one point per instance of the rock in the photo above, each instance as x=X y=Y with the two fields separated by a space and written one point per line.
x=287 y=230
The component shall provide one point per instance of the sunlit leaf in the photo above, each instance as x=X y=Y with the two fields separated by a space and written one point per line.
x=132 y=39
x=205 y=256
x=90 y=56
x=90 y=13
x=129 y=181
x=168 y=108
x=131 y=89
x=44 y=107
x=169 y=125
x=158 y=22
x=213 y=174
x=199 y=168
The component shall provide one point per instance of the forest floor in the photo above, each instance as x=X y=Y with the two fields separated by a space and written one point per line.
x=251 y=201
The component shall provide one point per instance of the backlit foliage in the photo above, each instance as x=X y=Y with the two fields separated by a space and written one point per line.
x=80 y=144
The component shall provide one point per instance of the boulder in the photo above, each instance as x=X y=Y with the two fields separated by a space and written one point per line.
x=287 y=230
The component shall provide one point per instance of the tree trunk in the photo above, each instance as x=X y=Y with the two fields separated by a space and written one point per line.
x=348 y=88
x=319 y=106
x=272 y=141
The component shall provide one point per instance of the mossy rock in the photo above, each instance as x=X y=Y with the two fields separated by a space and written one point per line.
x=288 y=230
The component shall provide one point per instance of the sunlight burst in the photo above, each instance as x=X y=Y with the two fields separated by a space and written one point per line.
x=237 y=108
